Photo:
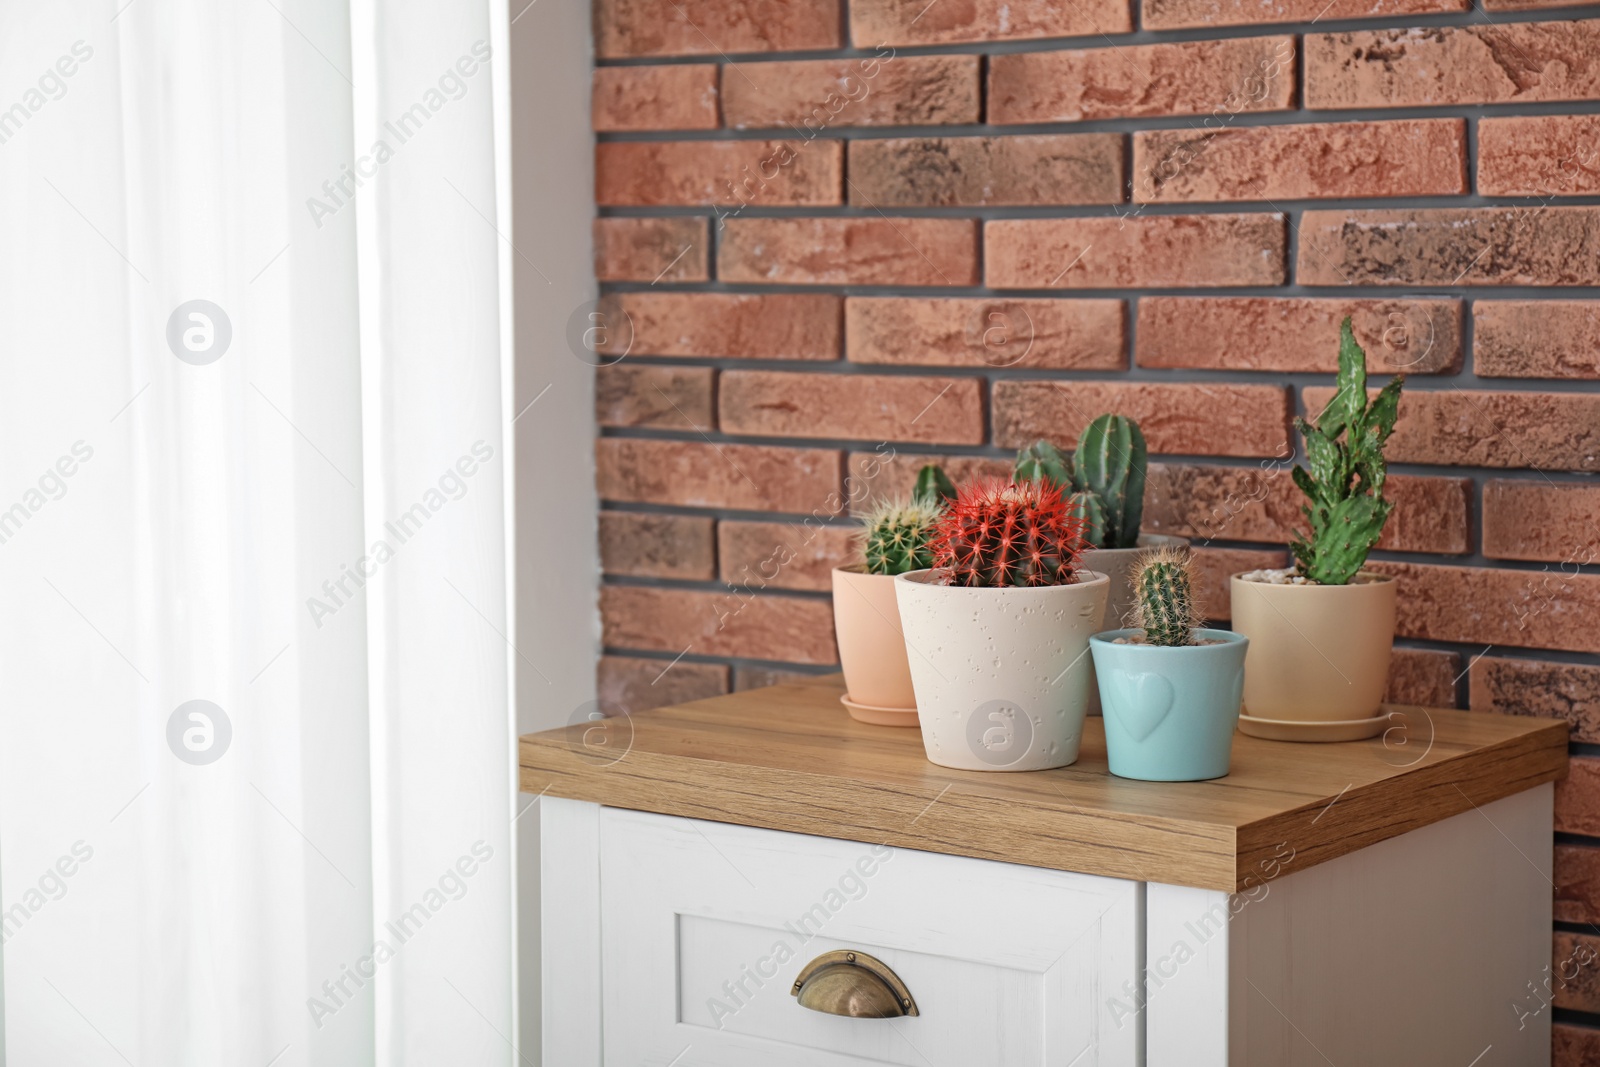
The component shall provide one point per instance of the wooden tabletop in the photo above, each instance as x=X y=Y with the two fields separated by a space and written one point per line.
x=790 y=758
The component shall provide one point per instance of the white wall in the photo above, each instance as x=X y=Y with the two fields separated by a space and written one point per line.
x=557 y=562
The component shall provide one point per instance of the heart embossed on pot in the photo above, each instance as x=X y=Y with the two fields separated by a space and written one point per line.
x=1146 y=699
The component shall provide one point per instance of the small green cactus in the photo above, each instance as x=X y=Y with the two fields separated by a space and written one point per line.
x=896 y=533
x=1043 y=462
x=933 y=484
x=1164 y=604
x=1110 y=461
x=1091 y=509
x=1344 y=486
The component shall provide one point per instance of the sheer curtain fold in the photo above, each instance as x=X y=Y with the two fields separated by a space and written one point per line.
x=254 y=789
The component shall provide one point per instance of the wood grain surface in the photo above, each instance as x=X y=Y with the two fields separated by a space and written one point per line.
x=790 y=758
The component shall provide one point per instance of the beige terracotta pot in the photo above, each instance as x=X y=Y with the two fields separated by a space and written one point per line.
x=1318 y=653
x=1117 y=565
x=872 y=648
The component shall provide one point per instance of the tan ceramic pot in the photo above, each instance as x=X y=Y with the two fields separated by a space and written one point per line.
x=872 y=648
x=1318 y=653
x=1117 y=565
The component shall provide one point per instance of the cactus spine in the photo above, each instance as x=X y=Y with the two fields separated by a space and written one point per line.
x=1110 y=461
x=896 y=533
x=1344 y=485
x=997 y=535
x=934 y=485
x=1165 y=606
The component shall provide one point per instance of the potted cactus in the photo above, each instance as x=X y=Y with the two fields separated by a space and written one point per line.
x=1321 y=632
x=866 y=617
x=1104 y=482
x=999 y=630
x=1169 y=688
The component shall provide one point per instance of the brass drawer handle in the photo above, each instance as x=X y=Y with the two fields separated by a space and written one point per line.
x=853 y=984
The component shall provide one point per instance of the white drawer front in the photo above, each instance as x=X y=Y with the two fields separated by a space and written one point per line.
x=706 y=926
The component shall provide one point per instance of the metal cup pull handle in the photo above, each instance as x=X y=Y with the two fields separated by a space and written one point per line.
x=853 y=984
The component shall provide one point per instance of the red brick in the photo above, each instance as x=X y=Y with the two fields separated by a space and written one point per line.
x=1263 y=504
x=1569 y=691
x=723 y=325
x=1571 y=1045
x=1455 y=427
x=1217 y=566
x=1578 y=797
x=1574 y=971
x=813 y=95
x=854 y=406
x=1298 y=334
x=1529 y=5
x=1219 y=78
x=630 y=684
x=1537 y=520
x=653 y=28
x=887 y=474
x=917 y=22
x=746 y=678
x=791 y=173
x=706 y=475
x=1423 y=677
x=1084 y=168
x=663 y=398
x=734 y=623
x=1185 y=14
x=1539 y=155
x=853 y=251
x=1577 y=878
x=1515 y=62
x=679 y=97
x=1211 y=418
x=986 y=332
x=1451 y=246
x=776 y=555
x=1336 y=160
x=1536 y=338
x=651 y=250
x=1480 y=606
x=657 y=546
x=1180 y=251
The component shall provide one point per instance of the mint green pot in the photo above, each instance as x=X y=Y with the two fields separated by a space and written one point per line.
x=1170 y=713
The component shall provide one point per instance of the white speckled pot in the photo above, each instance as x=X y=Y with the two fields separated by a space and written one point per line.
x=1001 y=675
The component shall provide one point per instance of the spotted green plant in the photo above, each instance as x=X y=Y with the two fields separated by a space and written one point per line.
x=1343 y=486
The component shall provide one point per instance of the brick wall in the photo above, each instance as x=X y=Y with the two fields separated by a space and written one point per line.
x=840 y=238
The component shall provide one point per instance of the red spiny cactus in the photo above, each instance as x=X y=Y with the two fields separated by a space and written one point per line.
x=997 y=534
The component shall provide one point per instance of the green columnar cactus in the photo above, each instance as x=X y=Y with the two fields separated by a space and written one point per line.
x=1091 y=510
x=1043 y=462
x=1344 y=485
x=933 y=484
x=1165 y=605
x=1110 y=461
x=896 y=533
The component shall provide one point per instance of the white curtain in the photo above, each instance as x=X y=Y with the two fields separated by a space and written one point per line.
x=256 y=752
